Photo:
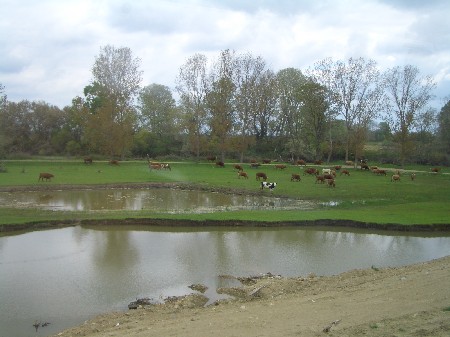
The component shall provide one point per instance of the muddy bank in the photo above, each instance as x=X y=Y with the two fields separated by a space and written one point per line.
x=403 y=301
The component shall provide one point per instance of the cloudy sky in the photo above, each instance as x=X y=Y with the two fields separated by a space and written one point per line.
x=48 y=47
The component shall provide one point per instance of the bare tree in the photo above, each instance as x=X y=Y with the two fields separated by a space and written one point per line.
x=408 y=94
x=355 y=91
x=191 y=87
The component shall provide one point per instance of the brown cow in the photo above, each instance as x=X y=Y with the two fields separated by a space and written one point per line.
x=435 y=169
x=220 y=164
x=330 y=182
x=311 y=171
x=46 y=176
x=242 y=174
x=320 y=179
x=301 y=162
x=113 y=162
x=318 y=162
x=346 y=172
x=255 y=165
x=280 y=167
x=266 y=161
x=337 y=167
x=155 y=166
x=380 y=172
x=88 y=160
x=260 y=175
x=238 y=167
x=295 y=177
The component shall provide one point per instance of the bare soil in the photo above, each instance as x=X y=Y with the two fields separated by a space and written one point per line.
x=403 y=301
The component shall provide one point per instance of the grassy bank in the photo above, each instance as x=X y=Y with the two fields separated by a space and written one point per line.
x=362 y=196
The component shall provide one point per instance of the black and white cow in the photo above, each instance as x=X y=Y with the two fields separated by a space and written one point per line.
x=270 y=186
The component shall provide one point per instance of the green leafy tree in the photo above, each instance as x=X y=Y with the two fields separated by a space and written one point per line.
x=444 y=127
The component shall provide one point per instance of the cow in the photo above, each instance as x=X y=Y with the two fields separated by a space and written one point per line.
x=435 y=169
x=266 y=161
x=301 y=162
x=326 y=171
x=166 y=166
x=320 y=179
x=114 y=162
x=220 y=164
x=280 y=167
x=413 y=176
x=46 y=176
x=311 y=171
x=255 y=165
x=330 y=182
x=337 y=167
x=381 y=172
x=270 y=186
x=365 y=167
x=88 y=160
x=346 y=172
x=155 y=166
x=349 y=163
x=395 y=177
x=260 y=175
x=238 y=167
x=295 y=177
x=318 y=162
x=242 y=174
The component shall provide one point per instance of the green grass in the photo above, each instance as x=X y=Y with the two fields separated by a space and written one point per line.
x=361 y=197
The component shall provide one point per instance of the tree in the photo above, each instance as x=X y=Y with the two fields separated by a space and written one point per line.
x=249 y=77
x=191 y=87
x=407 y=95
x=220 y=101
x=110 y=97
x=444 y=127
x=159 y=118
x=355 y=93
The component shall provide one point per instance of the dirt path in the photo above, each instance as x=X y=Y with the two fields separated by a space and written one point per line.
x=404 y=301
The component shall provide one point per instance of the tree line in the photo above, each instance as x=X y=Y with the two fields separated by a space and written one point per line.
x=235 y=106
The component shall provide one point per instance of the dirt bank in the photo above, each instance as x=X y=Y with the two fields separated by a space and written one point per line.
x=403 y=301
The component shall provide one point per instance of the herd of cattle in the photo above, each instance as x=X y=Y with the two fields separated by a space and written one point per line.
x=325 y=176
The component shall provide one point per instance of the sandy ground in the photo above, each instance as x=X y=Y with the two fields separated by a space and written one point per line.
x=403 y=301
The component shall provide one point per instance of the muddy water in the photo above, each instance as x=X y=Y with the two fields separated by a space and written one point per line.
x=65 y=276
x=159 y=200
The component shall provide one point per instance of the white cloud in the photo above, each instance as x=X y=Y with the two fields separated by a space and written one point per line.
x=48 y=47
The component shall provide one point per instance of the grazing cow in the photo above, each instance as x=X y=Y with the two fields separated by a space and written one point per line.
x=220 y=164
x=46 y=176
x=395 y=177
x=114 y=162
x=155 y=166
x=413 y=176
x=266 y=161
x=318 y=162
x=326 y=171
x=320 y=179
x=261 y=175
x=301 y=162
x=88 y=160
x=330 y=182
x=242 y=174
x=280 y=167
x=270 y=186
x=255 y=165
x=346 y=172
x=238 y=167
x=311 y=171
x=337 y=167
x=211 y=158
x=381 y=172
x=295 y=177
x=435 y=169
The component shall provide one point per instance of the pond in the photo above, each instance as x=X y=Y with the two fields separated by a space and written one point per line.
x=65 y=276
x=158 y=200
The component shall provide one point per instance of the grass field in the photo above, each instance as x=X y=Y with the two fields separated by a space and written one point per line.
x=362 y=196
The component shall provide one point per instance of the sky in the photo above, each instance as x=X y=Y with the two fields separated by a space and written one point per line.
x=48 y=47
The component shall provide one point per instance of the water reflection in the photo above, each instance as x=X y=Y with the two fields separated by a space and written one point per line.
x=163 y=200
x=67 y=275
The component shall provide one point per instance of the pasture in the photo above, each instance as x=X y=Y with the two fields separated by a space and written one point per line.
x=362 y=196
